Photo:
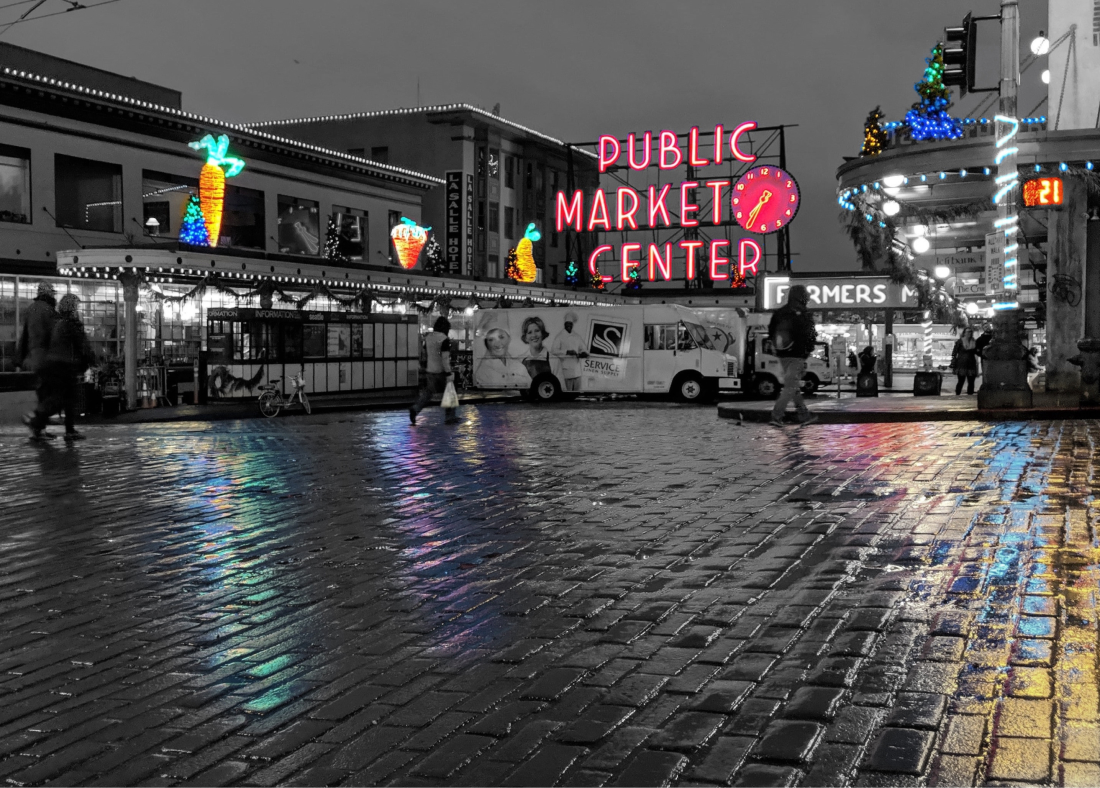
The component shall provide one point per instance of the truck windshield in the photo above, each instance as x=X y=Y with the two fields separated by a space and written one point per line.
x=699 y=334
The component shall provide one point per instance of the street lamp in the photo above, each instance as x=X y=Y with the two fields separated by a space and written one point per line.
x=920 y=245
x=152 y=225
x=1040 y=45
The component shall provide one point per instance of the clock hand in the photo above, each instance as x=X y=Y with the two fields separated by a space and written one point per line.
x=767 y=195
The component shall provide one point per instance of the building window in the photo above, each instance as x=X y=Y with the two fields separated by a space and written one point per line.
x=15 y=184
x=88 y=194
x=352 y=232
x=494 y=266
x=243 y=223
x=553 y=180
x=509 y=222
x=164 y=201
x=553 y=239
x=510 y=172
x=494 y=217
x=380 y=155
x=481 y=171
x=553 y=274
x=299 y=226
x=494 y=163
x=394 y=220
x=529 y=179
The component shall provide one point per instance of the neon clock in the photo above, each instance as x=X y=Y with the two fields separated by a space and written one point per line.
x=765 y=199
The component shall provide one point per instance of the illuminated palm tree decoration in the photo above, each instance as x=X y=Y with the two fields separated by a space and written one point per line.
x=219 y=166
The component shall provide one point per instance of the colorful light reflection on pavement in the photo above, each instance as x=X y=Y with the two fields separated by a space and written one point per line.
x=580 y=595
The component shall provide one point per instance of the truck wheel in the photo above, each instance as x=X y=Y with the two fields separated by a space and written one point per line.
x=545 y=389
x=688 y=388
x=810 y=385
x=767 y=387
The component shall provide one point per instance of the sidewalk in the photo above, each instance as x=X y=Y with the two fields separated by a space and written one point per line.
x=898 y=407
x=248 y=408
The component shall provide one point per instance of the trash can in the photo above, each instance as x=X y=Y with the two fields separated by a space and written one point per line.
x=867 y=384
x=927 y=384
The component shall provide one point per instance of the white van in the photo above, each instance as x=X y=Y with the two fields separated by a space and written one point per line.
x=741 y=334
x=554 y=351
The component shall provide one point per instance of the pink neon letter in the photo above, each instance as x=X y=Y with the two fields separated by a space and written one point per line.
x=607 y=158
x=627 y=217
x=716 y=187
x=657 y=205
x=599 y=212
x=748 y=125
x=669 y=145
x=570 y=215
x=690 y=247
x=592 y=260
x=664 y=266
x=742 y=264
x=719 y=138
x=686 y=207
x=693 y=149
x=716 y=260
x=647 y=141
x=627 y=262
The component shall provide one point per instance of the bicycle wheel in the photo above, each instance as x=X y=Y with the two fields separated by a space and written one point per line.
x=305 y=402
x=270 y=404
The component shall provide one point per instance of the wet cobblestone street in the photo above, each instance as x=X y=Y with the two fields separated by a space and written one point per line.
x=618 y=594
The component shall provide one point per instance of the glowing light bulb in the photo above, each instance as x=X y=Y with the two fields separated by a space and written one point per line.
x=920 y=245
x=942 y=272
x=1045 y=76
x=1040 y=45
x=890 y=208
x=893 y=181
x=917 y=230
x=971 y=308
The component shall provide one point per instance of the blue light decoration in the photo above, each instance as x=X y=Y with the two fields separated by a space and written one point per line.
x=1063 y=167
x=193 y=230
x=928 y=119
x=1088 y=165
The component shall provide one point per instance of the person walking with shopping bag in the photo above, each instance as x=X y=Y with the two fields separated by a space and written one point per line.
x=792 y=334
x=438 y=377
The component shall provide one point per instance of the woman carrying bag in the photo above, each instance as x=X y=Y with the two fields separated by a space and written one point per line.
x=438 y=378
x=964 y=361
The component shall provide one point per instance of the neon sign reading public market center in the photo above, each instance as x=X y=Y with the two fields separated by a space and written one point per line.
x=762 y=201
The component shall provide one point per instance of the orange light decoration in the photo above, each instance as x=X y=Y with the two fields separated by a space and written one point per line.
x=408 y=239
x=1043 y=192
x=525 y=258
x=219 y=166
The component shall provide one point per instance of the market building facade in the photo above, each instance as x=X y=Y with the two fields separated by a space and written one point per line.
x=107 y=189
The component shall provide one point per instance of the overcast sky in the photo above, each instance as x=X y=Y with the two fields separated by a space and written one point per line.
x=573 y=69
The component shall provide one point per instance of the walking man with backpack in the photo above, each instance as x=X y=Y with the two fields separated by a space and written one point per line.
x=792 y=334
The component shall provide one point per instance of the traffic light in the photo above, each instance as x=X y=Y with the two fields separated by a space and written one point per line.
x=958 y=55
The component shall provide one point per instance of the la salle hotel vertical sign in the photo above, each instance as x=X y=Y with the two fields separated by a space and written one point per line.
x=762 y=201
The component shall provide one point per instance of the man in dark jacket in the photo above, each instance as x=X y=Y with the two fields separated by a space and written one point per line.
x=34 y=344
x=67 y=358
x=793 y=334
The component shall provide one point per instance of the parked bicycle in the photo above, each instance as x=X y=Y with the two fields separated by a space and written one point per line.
x=272 y=400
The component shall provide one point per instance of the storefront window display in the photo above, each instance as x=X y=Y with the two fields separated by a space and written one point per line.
x=299 y=226
x=353 y=227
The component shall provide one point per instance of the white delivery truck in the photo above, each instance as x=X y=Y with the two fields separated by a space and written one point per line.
x=741 y=334
x=551 y=351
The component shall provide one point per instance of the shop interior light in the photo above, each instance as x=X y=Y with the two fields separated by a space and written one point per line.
x=918 y=230
x=942 y=272
x=891 y=208
x=893 y=181
x=1040 y=45
x=920 y=245
x=1045 y=76
x=971 y=308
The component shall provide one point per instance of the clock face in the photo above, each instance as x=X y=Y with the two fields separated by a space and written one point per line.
x=765 y=199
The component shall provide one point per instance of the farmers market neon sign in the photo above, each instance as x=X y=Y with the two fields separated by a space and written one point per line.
x=623 y=210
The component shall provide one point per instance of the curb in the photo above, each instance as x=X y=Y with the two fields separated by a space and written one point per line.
x=726 y=411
